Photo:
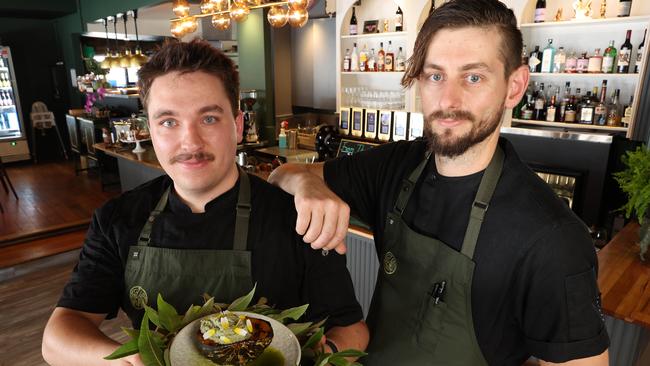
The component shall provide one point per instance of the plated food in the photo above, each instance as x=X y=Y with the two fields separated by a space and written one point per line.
x=228 y=338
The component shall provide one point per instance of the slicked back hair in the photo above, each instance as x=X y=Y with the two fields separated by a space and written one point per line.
x=197 y=55
x=492 y=15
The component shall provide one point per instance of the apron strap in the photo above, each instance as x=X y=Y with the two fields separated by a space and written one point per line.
x=243 y=212
x=145 y=233
x=408 y=184
x=481 y=202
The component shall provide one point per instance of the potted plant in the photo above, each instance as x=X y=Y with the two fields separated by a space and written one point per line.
x=635 y=182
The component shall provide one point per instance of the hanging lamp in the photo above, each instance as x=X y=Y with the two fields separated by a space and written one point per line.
x=106 y=63
x=138 y=59
x=125 y=60
x=115 y=60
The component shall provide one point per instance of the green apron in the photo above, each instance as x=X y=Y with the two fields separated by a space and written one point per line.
x=182 y=276
x=421 y=312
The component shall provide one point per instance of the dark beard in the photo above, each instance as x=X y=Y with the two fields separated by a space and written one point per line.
x=444 y=145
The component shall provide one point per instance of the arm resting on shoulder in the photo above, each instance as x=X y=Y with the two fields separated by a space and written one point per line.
x=354 y=336
x=73 y=337
x=323 y=217
x=600 y=360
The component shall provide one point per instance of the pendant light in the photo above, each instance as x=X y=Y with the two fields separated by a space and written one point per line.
x=125 y=60
x=106 y=64
x=138 y=59
x=115 y=60
x=278 y=16
x=181 y=8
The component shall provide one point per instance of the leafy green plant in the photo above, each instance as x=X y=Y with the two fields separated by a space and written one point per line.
x=635 y=182
x=153 y=345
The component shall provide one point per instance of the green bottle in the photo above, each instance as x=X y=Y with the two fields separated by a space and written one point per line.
x=609 y=58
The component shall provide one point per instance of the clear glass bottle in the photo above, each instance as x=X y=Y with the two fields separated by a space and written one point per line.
x=548 y=57
x=347 y=60
x=583 y=63
x=614 y=110
x=600 y=111
x=559 y=61
x=400 y=61
x=571 y=63
x=595 y=64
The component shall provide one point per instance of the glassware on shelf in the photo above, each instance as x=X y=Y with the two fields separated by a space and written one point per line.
x=365 y=97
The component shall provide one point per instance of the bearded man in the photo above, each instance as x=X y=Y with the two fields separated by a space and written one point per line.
x=481 y=264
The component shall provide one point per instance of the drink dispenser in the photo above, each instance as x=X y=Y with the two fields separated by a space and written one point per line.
x=248 y=101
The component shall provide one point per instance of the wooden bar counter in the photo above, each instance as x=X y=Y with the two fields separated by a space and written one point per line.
x=623 y=279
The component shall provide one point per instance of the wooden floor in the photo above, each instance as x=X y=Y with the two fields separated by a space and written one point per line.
x=51 y=197
x=24 y=252
x=26 y=303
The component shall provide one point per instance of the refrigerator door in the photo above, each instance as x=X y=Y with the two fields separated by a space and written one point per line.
x=13 y=144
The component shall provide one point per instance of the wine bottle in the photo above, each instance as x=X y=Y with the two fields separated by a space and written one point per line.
x=624 y=55
x=624 y=7
x=353 y=22
x=639 y=55
x=540 y=11
x=399 y=20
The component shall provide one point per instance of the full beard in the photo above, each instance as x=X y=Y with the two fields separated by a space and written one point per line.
x=445 y=145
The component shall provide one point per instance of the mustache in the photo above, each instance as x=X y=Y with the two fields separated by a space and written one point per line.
x=440 y=114
x=198 y=156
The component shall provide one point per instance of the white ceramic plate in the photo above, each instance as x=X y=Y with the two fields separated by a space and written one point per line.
x=184 y=352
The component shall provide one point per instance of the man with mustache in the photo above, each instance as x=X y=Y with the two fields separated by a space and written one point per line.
x=480 y=262
x=205 y=227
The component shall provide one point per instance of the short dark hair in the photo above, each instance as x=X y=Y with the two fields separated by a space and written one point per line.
x=468 y=13
x=186 y=57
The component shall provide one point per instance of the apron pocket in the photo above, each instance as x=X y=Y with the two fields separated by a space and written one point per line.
x=430 y=327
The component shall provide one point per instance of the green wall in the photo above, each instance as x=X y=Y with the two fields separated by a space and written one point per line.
x=256 y=67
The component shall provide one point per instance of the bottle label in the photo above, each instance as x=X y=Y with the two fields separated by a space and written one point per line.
x=547 y=61
x=540 y=15
x=389 y=64
x=583 y=65
x=571 y=64
x=527 y=114
x=346 y=65
x=550 y=114
x=608 y=64
x=595 y=64
x=539 y=104
x=624 y=8
x=533 y=62
x=639 y=60
x=570 y=116
x=559 y=62
x=624 y=57
x=371 y=65
x=353 y=29
x=399 y=20
x=586 y=115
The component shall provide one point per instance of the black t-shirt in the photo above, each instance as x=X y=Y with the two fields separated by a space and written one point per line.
x=287 y=271
x=534 y=289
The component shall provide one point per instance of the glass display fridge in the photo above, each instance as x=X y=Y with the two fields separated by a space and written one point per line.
x=13 y=140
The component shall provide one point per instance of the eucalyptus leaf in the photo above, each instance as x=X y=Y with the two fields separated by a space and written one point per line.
x=150 y=353
x=350 y=353
x=314 y=339
x=191 y=314
x=324 y=360
x=169 y=318
x=243 y=302
x=152 y=315
x=293 y=313
x=127 y=349
x=336 y=361
x=133 y=333
x=298 y=328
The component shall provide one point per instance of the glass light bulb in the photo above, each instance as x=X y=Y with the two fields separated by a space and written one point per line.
x=190 y=24
x=221 y=21
x=181 y=8
x=207 y=6
x=254 y=2
x=220 y=5
x=277 y=16
x=177 y=29
x=298 y=4
x=298 y=18
x=239 y=11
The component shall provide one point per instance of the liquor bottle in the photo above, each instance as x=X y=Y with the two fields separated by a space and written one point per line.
x=600 y=112
x=400 y=61
x=540 y=11
x=524 y=56
x=627 y=114
x=614 y=110
x=553 y=109
x=354 y=59
x=363 y=59
x=639 y=55
x=372 y=61
x=353 y=22
x=389 y=62
x=608 y=58
x=595 y=64
x=399 y=20
x=571 y=63
x=583 y=63
x=534 y=61
x=559 y=61
x=570 y=111
x=578 y=102
x=624 y=55
x=587 y=110
x=565 y=101
x=347 y=60
x=548 y=56
x=381 y=58
x=539 y=113
x=624 y=7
